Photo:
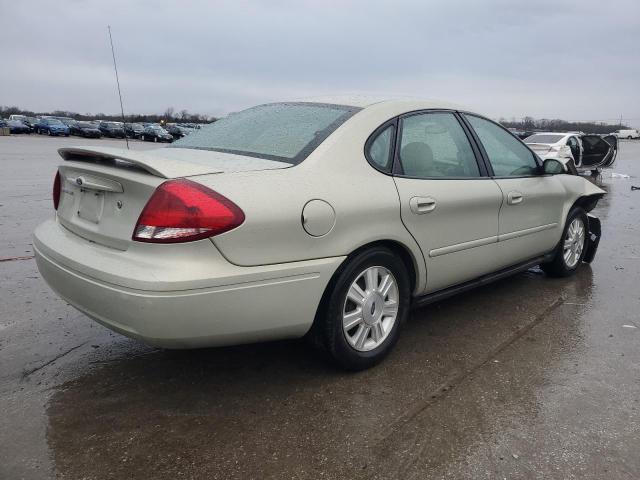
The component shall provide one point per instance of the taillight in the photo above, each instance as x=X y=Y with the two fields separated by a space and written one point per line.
x=182 y=211
x=56 y=190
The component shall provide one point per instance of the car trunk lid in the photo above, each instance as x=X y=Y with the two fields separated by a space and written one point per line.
x=103 y=190
x=539 y=148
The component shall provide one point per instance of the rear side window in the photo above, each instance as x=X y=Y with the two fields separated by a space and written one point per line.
x=435 y=145
x=543 y=138
x=508 y=157
x=286 y=132
x=379 y=149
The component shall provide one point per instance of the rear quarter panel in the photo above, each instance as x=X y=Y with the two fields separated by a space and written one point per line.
x=365 y=202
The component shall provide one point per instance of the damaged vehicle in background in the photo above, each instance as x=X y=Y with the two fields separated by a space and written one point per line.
x=585 y=152
x=327 y=220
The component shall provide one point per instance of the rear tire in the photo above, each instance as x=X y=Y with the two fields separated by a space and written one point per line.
x=363 y=309
x=572 y=246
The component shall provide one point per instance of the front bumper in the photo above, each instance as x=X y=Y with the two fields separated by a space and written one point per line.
x=183 y=296
x=593 y=239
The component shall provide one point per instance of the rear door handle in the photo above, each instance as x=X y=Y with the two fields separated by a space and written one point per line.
x=514 y=198
x=421 y=205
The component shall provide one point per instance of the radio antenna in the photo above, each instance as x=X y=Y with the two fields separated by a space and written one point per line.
x=115 y=67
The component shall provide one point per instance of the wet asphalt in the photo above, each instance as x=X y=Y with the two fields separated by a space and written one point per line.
x=530 y=377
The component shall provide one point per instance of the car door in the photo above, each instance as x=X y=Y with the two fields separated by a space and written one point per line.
x=574 y=146
x=596 y=151
x=448 y=203
x=530 y=220
x=613 y=141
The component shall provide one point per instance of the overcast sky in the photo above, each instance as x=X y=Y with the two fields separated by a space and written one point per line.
x=548 y=59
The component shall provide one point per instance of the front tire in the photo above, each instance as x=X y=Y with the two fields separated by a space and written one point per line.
x=572 y=247
x=364 y=307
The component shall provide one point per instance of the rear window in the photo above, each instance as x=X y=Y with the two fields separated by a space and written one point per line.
x=543 y=138
x=286 y=132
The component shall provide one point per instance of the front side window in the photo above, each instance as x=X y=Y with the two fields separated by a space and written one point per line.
x=286 y=132
x=379 y=151
x=434 y=145
x=508 y=156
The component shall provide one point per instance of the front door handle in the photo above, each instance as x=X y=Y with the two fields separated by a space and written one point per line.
x=421 y=205
x=514 y=198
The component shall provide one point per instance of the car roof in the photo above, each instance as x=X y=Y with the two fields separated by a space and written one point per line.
x=562 y=134
x=364 y=101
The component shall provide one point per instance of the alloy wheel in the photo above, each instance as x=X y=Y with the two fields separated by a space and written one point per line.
x=370 y=309
x=573 y=243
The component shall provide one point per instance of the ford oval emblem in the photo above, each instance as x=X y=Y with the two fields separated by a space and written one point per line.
x=79 y=181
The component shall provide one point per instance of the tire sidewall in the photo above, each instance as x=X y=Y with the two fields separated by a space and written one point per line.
x=337 y=343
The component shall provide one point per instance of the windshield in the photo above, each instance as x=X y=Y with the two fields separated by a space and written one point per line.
x=85 y=125
x=286 y=132
x=544 y=138
x=53 y=121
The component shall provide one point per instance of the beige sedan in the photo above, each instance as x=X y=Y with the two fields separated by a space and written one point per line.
x=322 y=219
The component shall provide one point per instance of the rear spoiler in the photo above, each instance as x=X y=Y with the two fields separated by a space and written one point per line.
x=152 y=163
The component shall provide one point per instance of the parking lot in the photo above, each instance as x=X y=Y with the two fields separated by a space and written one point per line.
x=530 y=377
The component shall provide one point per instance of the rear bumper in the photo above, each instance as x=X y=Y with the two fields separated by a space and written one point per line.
x=166 y=298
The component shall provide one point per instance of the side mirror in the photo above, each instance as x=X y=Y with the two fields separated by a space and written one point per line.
x=551 y=166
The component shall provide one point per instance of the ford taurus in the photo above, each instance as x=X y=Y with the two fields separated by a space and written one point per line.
x=328 y=220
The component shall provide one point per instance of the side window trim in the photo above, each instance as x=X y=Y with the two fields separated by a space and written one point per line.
x=481 y=157
x=393 y=122
x=485 y=156
x=397 y=170
x=478 y=144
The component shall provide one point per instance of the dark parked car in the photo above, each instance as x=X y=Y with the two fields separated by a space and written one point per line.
x=112 y=129
x=155 y=133
x=52 y=126
x=30 y=122
x=16 y=126
x=178 y=131
x=85 y=129
x=133 y=130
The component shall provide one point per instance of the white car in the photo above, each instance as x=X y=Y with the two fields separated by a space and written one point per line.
x=628 y=134
x=586 y=152
x=322 y=219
